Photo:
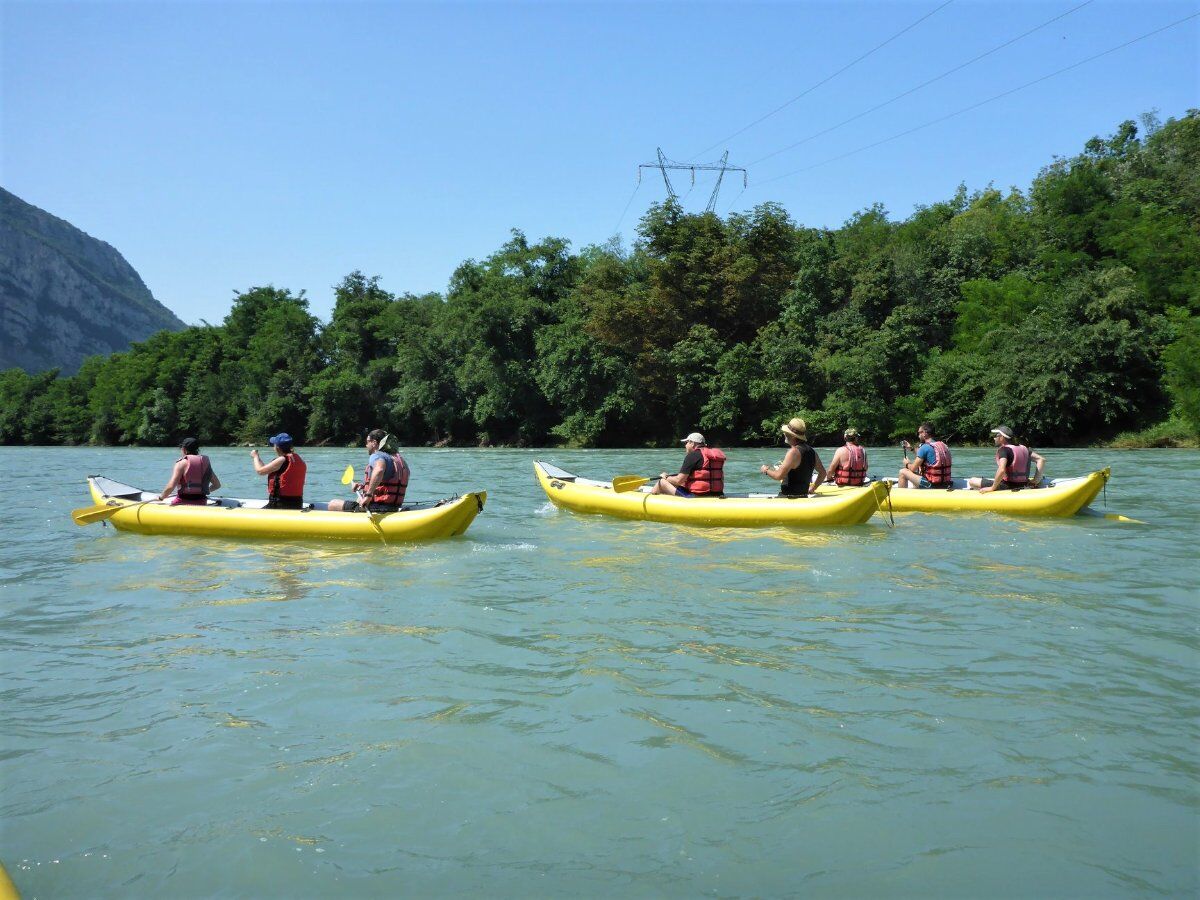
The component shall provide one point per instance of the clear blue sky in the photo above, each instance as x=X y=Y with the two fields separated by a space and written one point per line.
x=221 y=146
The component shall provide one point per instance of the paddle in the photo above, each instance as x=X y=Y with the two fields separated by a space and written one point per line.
x=623 y=483
x=348 y=475
x=89 y=514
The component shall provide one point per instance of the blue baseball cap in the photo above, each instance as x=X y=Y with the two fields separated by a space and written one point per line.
x=282 y=438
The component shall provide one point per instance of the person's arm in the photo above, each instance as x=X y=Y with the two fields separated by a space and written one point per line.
x=176 y=474
x=376 y=479
x=213 y=481
x=835 y=464
x=819 y=467
x=1001 y=470
x=779 y=471
x=1040 y=461
x=261 y=468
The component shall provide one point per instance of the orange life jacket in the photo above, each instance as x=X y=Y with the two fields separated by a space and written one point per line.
x=709 y=476
x=287 y=483
x=1017 y=473
x=854 y=472
x=393 y=487
x=937 y=473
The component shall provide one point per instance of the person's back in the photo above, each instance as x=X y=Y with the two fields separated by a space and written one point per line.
x=798 y=480
x=192 y=477
x=285 y=486
x=849 y=465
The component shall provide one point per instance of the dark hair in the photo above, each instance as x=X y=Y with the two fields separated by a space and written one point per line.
x=377 y=435
x=285 y=447
x=190 y=445
x=927 y=428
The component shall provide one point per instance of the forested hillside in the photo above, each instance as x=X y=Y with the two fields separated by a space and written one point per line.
x=1069 y=311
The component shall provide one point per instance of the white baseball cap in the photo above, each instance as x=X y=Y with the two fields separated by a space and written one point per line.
x=695 y=437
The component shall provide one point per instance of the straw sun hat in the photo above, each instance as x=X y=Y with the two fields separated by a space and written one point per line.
x=796 y=428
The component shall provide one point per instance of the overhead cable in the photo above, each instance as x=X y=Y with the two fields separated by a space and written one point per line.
x=1000 y=96
x=923 y=84
x=825 y=80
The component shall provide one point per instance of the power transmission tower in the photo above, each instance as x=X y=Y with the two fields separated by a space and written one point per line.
x=720 y=167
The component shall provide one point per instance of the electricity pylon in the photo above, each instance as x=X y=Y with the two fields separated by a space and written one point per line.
x=720 y=167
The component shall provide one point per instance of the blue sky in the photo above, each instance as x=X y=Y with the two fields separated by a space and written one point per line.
x=221 y=146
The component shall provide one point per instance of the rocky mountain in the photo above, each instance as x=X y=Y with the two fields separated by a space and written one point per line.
x=65 y=295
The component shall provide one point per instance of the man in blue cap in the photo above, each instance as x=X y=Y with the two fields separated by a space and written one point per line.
x=285 y=473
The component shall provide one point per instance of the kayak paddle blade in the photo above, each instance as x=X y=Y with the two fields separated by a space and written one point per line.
x=623 y=483
x=91 y=514
x=348 y=475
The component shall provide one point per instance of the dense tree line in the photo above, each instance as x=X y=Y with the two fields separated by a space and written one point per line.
x=1071 y=311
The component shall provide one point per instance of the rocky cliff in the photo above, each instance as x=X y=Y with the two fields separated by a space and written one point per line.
x=64 y=295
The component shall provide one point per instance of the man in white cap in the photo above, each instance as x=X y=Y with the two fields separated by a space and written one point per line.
x=1012 y=465
x=702 y=473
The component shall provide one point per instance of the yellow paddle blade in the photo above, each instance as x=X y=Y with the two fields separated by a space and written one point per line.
x=91 y=514
x=348 y=475
x=623 y=483
x=1120 y=518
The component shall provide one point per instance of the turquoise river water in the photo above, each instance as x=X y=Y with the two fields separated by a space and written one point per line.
x=563 y=706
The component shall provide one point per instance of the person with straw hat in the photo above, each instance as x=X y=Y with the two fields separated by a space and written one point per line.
x=384 y=482
x=794 y=472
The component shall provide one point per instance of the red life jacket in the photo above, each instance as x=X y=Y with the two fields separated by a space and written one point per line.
x=287 y=483
x=938 y=472
x=854 y=472
x=709 y=476
x=391 y=490
x=193 y=487
x=1018 y=470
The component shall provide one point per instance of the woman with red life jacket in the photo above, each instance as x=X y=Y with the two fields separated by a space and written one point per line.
x=702 y=473
x=794 y=472
x=385 y=480
x=930 y=467
x=849 y=464
x=192 y=478
x=1017 y=467
x=285 y=473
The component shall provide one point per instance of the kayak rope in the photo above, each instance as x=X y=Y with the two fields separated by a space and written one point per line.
x=878 y=506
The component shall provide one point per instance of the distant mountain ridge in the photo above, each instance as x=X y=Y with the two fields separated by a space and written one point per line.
x=64 y=295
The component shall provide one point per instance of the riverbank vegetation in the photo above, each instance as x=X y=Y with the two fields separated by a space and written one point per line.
x=1070 y=311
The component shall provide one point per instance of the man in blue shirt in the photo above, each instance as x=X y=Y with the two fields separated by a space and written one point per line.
x=931 y=467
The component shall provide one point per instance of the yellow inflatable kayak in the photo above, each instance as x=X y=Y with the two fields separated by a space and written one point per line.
x=231 y=517
x=733 y=510
x=1059 y=497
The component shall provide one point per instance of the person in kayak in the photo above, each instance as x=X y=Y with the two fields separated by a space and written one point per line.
x=384 y=481
x=285 y=473
x=1017 y=467
x=702 y=473
x=849 y=463
x=192 y=478
x=930 y=468
x=795 y=471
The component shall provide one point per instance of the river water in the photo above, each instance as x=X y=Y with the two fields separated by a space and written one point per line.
x=555 y=705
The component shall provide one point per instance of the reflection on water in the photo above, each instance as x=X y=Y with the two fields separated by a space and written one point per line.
x=667 y=710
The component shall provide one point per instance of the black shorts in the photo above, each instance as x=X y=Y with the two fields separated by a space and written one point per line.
x=1002 y=486
x=355 y=506
x=285 y=503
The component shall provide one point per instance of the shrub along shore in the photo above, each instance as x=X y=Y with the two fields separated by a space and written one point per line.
x=1070 y=311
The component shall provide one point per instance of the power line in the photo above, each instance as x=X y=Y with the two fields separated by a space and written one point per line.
x=627 y=205
x=965 y=109
x=825 y=80
x=924 y=84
